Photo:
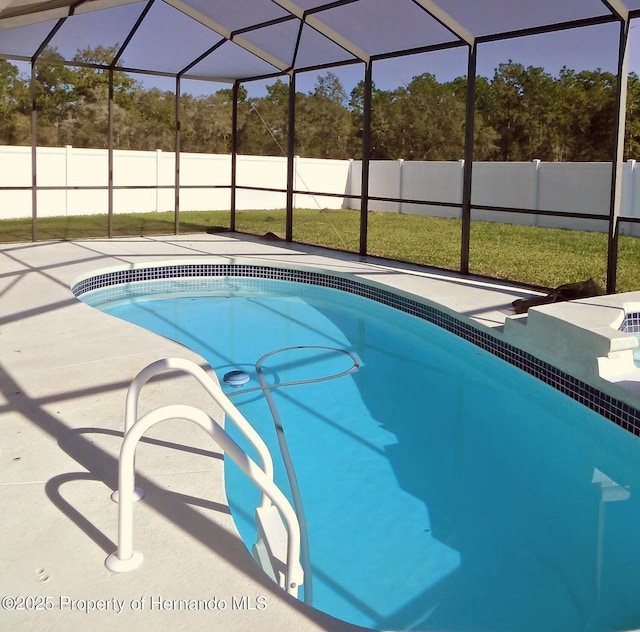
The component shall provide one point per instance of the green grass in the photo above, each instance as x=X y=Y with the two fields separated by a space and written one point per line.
x=539 y=256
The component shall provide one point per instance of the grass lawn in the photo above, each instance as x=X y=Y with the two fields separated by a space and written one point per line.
x=534 y=255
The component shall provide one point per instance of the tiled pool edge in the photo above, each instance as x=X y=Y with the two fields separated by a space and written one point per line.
x=631 y=323
x=613 y=409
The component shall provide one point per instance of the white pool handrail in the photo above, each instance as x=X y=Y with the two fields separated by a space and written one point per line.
x=190 y=367
x=126 y=558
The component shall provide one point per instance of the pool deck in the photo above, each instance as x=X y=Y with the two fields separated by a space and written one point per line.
x=65 y=369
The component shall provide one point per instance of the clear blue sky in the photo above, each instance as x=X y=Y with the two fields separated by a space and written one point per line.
x=578 y=49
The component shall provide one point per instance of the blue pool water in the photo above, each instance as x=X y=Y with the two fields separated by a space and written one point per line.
x=442 y=488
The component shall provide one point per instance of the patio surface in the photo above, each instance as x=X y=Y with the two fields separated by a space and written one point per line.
x=64 y=372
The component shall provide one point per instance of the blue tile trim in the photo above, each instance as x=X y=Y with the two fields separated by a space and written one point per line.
x=631 y=323
x=609 y=407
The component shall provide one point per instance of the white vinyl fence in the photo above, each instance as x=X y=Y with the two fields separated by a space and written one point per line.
x=569 y=187
x=572 y=187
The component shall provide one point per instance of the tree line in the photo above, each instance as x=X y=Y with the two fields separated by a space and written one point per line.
x=521 y=113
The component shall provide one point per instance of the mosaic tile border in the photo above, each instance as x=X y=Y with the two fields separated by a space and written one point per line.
x=631 y=323
x=609 y=407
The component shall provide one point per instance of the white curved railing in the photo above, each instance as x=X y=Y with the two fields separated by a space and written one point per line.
x=191 y=368
x=126 y=558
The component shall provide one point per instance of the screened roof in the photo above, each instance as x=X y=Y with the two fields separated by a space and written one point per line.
x=225 y=40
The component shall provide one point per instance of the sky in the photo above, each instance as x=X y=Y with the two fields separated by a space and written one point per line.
x=579 y=49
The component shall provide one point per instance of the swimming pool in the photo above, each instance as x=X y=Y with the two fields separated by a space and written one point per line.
x=442 y=487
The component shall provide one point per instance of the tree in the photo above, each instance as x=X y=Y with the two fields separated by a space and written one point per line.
x=485 y=136
x=91 y=98
x=54 y=99
x=423 y=120
x=520 y=114
x=205 y=123
x=387 y=133
x=520 y=105
x=587 y=111
x=151 y=123
x=632 y=128
x=323 y=123
x=432 y=118
x=264 y=122
x=15 y=117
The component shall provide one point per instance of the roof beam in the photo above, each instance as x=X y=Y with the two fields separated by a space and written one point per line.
x=617 y=8
x=53 y=31
x=338 y=39
x=24 y=16
x=227 y=34
x=200 y=17
x=9 y=11
x=14 y=14
x=324 y=29
x=447 y=21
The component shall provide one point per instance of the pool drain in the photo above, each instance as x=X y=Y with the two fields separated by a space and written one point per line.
x=236 y=378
